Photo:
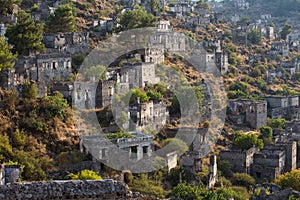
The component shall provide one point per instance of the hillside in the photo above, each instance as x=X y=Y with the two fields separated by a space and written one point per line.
x=35 y=133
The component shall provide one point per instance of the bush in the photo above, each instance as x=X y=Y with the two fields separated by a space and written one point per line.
x=241 y=179
x=85 y=175
x=175 y=144
x=225 y=167
x=154 y=95
x=138 y=93
x=54 y=106
x=247 y=140
x=29 y=90
x=290 y=180
x=120 y=134
x=148 y=187
x=278 y=123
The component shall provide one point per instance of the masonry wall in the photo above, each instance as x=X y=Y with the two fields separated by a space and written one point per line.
x=105 y=190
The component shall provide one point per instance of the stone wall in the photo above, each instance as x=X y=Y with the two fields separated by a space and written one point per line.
x=105 y=189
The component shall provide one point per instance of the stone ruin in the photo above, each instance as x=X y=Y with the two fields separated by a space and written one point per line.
x=9 y=174
x=103 y=189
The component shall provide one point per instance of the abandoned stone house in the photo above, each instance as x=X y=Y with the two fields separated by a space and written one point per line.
x=136 y=75
x=9 y=174
x=135 y=148
x=181 y=9
x=241 y=160
x=268 y=164
x=277 y=48
x=105 y=25
x=247 y=111
x=200 y=147
x=40 y=69
x=77 y=42
x=171 y=41
x=290 y=149
x=149 y=114
x=90 y=95
x=283 y=107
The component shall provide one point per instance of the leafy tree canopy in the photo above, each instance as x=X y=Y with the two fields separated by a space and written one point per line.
x=290 y=180
x=247 y=140
x=25 y=36
x=63 y=20
x=137 y=18
x=255 y=36
x=7 y=58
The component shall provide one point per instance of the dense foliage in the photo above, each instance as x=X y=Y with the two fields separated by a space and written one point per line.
x=137 y=18
x=63 y=20
x=31 y=137
x=247 y=140
x=7 y=58
x=290 y=180
x=84 y=175
x=25 y=35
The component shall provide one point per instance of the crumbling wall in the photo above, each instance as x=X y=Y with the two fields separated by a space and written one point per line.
x=104 y=189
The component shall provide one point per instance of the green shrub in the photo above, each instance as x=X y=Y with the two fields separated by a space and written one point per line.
x=85 y=175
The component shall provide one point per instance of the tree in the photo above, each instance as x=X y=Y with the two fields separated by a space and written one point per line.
x=155 y=6
x=247 y=140
x=278 y=123
x=137 y=18
x=54 y=106
x=138 y=93
x=175 y=144
x=25 y=36
x=5 y=148
x=154 y=95
x=29 y=90
x=203 y=4
x=98 y=72
x=290 y=180
x=85 y=175
x=241 y=179
x=63 y=20
x=255 y=36
x=7 y=58
x=7 y=6
x=266 y=134
x=225 y=167
x=287 y=29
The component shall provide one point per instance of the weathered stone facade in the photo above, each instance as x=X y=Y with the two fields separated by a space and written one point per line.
x=247 y=111
x=268 y=164
x=41 y=69
x=136 y=75
x=283 y=107
x=136 y=148
x=104 y=189
x=241 y=160
x=77 y=42
x=290 y=149
x=9 y=174
x=148 y=114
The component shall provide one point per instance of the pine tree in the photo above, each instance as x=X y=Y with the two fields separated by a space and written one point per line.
x=7 y=58
x=25 y=36
x=63 y=20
